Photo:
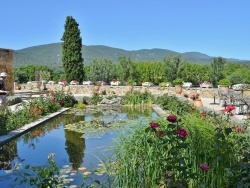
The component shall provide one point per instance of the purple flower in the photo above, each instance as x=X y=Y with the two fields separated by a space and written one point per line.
x=172 y=118
x=182 y=133
x=204 y=167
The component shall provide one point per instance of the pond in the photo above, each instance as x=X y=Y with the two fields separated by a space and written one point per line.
x=74 y=150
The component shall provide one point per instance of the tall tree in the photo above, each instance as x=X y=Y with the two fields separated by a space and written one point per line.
x=173 y=67
x=101 y=69
x=217 y=69
x=71 y=51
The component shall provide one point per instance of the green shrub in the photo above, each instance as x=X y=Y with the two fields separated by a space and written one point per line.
x=81 y=106
x=165 y=84
x=96 y=98
x=64 y=99
x=178 y=82
x=225 y=82
x=138 y=98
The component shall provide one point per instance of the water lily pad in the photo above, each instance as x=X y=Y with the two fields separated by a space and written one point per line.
x=86 y=173
x=82 y=168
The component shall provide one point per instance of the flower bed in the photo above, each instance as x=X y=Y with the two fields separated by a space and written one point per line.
x=33 y=109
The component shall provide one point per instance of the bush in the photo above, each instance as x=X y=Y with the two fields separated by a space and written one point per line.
x=95 y=99
x=178 y=82
x=165 y=84
x=138 y=98
x=225 y=82
x=64 y=99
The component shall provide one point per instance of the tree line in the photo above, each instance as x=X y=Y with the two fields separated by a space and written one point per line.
x=157 y=72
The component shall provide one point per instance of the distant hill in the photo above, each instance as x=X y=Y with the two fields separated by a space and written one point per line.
x=50 y=54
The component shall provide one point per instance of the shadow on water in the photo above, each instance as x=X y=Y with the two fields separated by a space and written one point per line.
x=75 y=148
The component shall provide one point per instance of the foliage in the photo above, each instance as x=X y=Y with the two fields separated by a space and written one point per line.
x=194 y=149
x=101 y=69
x=124 y=69
x=175 y=65
x=217 y=69
x=27 y=73
x=178 y=82
x=195 y=73
x=71 y=51
x=43 y=176
x=224 y=82
x=165 y=84
x=150 y=72
x=44 y=75
x=64 y=99
x=27 y=112
x=80 y=106
x=157 y=157
x=96 y=98
x=138 y=98
x=173 y=105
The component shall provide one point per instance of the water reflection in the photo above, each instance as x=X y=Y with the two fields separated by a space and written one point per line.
x=7 y=154
x=70 y=147
x=75 y=146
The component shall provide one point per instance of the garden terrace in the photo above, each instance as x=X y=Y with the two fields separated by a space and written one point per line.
x=121 y=90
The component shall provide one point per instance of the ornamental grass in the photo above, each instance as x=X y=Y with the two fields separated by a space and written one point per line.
x=137 y=98
x=191 y=149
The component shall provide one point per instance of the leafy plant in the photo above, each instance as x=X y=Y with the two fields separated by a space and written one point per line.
x=138 y=98
x=43 y=176
x=165 y=84
x=96 y=98
x=225 y=82
x=64 y=99
x=178 y=82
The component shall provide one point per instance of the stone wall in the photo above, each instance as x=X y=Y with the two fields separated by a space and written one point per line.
x=6 y=65
x=121 y=90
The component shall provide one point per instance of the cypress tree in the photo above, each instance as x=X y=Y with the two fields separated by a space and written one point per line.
x=71 y=51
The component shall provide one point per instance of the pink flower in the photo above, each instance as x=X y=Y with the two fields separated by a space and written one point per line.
x=154 y=125
x=182 y=133
x=204 y=167
x=172 y=118
x=239 y=129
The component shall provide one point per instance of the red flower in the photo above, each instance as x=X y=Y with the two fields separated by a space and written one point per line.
x=154 y=125
x=172 y=118
x=239 y=129
x=182 y=133
x=194 y=96
x=160 y=133
x=204 y=167
x=228 y=109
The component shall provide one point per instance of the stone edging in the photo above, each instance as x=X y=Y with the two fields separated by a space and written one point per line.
x=16 y=133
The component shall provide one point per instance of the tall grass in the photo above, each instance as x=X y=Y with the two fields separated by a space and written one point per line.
x=137 y=98
x=139 y=162
x=142 y=158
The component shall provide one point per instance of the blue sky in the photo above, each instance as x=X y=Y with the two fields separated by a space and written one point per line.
x=214 y=27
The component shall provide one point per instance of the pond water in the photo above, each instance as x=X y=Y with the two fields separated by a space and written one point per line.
x=73 y=150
